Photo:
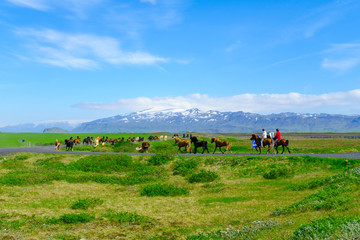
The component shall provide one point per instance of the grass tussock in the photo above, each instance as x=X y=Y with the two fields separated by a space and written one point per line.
x=48 y=196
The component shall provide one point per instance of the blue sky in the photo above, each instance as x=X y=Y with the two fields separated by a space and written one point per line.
x=84 y=60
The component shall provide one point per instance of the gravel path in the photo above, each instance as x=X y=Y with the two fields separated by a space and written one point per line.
x=50 y=149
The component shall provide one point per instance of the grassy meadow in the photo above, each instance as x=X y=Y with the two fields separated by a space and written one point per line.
x=169 y=196
x=299 y=142
x=48 y=196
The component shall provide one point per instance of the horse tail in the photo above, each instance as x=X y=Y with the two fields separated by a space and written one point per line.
x=286 y=143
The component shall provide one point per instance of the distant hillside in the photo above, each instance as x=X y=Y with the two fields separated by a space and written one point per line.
x=194 y=120
x=39 y=127
x=55 y=130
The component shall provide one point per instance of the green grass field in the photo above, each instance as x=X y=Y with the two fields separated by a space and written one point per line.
x=47 y=196
x=299 y=142
x=168 y=196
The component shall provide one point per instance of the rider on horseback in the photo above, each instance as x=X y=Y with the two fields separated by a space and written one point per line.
x=277 y=136
x=263 y=137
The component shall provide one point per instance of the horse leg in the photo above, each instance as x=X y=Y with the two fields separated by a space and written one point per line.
x=283 y=149
x=221 y=150
x=215 y=149
x=195 y=149
x=288 y=148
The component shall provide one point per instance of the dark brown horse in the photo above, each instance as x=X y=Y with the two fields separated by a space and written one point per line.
x=284 y=143
x=219 y=144
x=198 y=143
x=266 y=142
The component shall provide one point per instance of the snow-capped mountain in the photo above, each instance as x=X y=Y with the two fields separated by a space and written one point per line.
x=195 y=120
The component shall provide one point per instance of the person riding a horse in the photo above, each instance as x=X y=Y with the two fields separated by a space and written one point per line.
x=263 y=137
x=277 y=137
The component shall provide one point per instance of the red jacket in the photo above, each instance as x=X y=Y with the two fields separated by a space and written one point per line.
x=278 y=135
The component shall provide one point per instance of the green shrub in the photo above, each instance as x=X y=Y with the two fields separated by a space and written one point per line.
x=203 y=176
x=163 y=190
x=331 y=197
x=86 y=203
x=330 y=227
x=76 y=218
x=103 y=163
x=126 y=217
x=214 y=187
x=124 y=147
x=184 y=167
x=247 y=232
x=278 y=172
x=160 y=159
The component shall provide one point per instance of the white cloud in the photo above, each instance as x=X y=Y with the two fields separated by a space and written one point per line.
x=259 y=103
x=82 y=51
x=44 y=5
x=342 y=57
x=36 y=4
x=342 y=65
x=149 y=1
x=316 y=26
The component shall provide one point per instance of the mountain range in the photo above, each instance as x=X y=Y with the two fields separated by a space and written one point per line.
x=194 y=120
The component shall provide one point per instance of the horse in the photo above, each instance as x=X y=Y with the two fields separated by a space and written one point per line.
x=97 y=141
x=197 y=144
x=176 y=138
x=266 y=142
x=144 y=147
x=57 y=145
x=87 y=141
x=77 y=140
x=69 y=144
x=184 y=143
x=284 y=143
x=219 y=144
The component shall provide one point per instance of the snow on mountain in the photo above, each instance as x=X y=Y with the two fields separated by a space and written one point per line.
x=195 y=120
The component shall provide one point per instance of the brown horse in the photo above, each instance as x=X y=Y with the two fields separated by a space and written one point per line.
x=183 y=143
x=267 y=142
x=219 y=144
x=77 y=141
x=57 y=145
x=284 y=143
x=144 y=147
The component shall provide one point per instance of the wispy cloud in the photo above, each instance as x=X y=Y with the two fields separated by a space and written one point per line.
x=233 y=46
x=260 y=103
x=148 y=1
x=340 y=65
x=341 y=57
x=35 y=4
x=44 y=5
x=82 y=51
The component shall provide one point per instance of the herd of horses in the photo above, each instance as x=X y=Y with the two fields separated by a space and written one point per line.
x=181 y=143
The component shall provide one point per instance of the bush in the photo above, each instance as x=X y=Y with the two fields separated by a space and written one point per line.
x=247 y=232
x=160 y=159
x=163 y=190
x=203 y=176
x=329 y=228
x=86 y=203
x=278 y=172
x=76 y=218
x=124 y=147
x=103 y=163
x=184 y=167
x=126 y=217
x=330 y=197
